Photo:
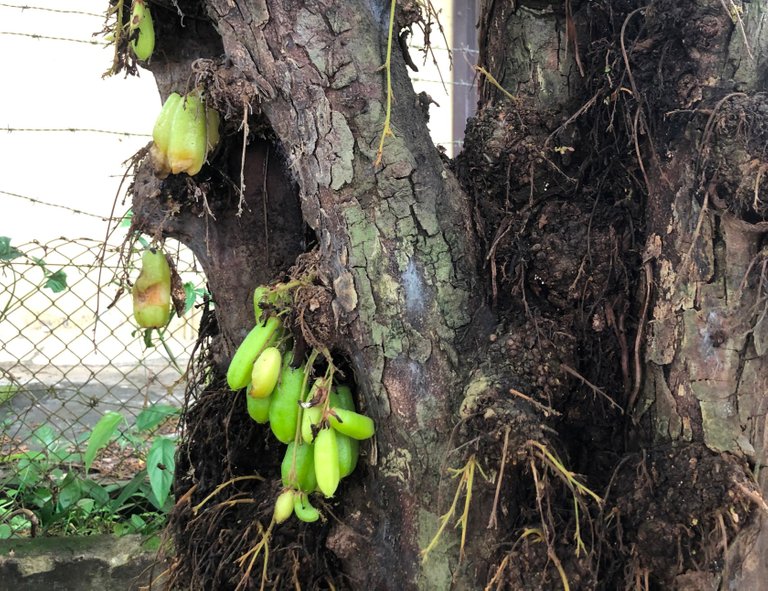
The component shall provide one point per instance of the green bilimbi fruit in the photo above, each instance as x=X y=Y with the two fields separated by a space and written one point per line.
x=266 y=371
x=152 y=291
x=349 y=452
x=284 y=505
x=284 y=411
x=161 y=134
x=138 y=10
x=351 y=423
x=341 y=397
x=187 y=147
x=304 y=510
x=298 y=467
x=212 y=120
x=310 y=418
x=258 y=408
x=142 y=30
x=349 y=449
x=258 y=295
x=327 y=468
x=185 y=131
x=241 y=366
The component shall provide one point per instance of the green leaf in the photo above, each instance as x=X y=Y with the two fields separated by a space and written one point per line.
x=190 y=295
x=56 y=282
x=28 y=471
x=69 y=495
x=8 y=252
x=128 y=491
x=86 y=505
x=100 y=435
x=152 y=416
x=5 y=531
x=45 y=436
x=126 y=221
x=160 y=466
x=95 y=491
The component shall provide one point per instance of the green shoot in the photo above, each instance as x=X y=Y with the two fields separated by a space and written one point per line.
x=221 y=487
x=495 y=83
x=253 y=554
x=387 y=131
x=569 y=477
x=467 y=476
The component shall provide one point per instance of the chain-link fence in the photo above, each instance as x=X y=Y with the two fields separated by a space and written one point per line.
x=83 y=398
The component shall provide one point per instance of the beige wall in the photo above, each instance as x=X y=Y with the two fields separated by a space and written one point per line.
x=58 y=84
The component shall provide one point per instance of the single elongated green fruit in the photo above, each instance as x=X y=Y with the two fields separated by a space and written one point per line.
x=351 y=423
x=144 y=44
x=152 y=291
x=212 y=120
x=327 y=462
x=187 y=144
x=309 y=419
x=258 y=408
x=341 y=397
x=138 y=10
x=284 y=505
x=284 y=411
x=258 y=295
x=349 y=451
x=161 y=135
x=241 y=366
x=265 y=372
x=304 y=510
x=298 y=467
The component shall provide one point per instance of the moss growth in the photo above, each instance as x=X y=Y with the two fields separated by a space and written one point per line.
x=437 y=573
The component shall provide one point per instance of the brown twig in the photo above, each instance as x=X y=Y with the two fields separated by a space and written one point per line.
x=492 y=523
x=570 y=371
x=571 y=36
x=696 y=232
x=547 y=410
x=639 y=337
x=244 y=127
x=753 y=496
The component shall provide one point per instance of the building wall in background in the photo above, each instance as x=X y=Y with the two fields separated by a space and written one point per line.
x=53 y=72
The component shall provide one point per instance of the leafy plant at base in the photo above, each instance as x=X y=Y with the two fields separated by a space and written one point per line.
x=160 y=467
x=51 y=491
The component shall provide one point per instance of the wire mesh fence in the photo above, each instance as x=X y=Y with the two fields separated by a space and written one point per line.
x=80 y=388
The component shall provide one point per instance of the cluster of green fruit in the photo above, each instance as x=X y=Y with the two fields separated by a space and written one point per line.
x=318 y=423
x=142 y=30
x=185 y=132
x=152 y=290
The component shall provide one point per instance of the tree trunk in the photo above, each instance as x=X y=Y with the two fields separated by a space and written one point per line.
x=706 y=368
x=395 y=250
x=581 y=315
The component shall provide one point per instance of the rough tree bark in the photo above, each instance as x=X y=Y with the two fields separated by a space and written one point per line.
x=592 y=293
x=706 y=368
